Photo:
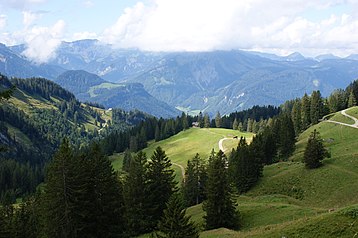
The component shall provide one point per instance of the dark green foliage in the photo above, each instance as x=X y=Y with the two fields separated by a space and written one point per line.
x=316 y=107
x=60 y=194
x=352 y=101
x=104 y=196
x=245 y=164
x=206 y=120
x=127 y=160
x=219 y=206
x=135 y=196
x=43 y=87
x=160 y=184
x=285 y=133
x=305 y=112
x=83 y=197
x=195 y=181
x=296 y=117
x=218 y=122
x=174 y=223
x=337 y=100
x=315 y=151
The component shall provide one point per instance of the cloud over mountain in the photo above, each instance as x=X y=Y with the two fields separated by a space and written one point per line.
x=175 y=25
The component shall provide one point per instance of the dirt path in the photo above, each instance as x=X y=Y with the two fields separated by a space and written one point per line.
x=221 y=147
x=351 y=117
x=355 y=125
x=181 y=168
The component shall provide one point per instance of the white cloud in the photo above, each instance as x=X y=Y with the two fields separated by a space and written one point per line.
x=2 y=21
x=83 y=35
x=88 y=4
x=20 y=4
x=201 y=25
x=29 y=18
x=42 y=42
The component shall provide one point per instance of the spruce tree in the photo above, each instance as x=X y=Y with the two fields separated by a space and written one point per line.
x=160 y=184
x=305 y=112
x=219 y=206
x=235 y=125
x=316 y=107
x=315 y=151
x=135 y=196
x=195 y=181
x=286 y=136
x=106 y=196
x=296 y=117
x=206 y=120
x=352 y=100
x=62 y=188
x=245 y=163
x=174 y=223
x=218 y=121
x=127 y=159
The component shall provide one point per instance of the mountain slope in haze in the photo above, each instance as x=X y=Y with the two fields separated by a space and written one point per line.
x=127 y=96
x=14 y=64
x=214 y=81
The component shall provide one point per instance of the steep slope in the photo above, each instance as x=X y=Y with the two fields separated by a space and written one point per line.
x=128 y=96
x=13 y=64
x=208 y=81
x=293 y=201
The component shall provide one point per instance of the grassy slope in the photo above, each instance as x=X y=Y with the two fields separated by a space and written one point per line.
x=28 y=103
x=353 y=112
x=341 y=118
x=291 y=201
x=183 y=146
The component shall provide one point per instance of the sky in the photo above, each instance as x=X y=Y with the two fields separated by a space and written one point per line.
x=282 y=27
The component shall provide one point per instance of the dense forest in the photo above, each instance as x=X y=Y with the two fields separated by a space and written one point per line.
x=82 y=196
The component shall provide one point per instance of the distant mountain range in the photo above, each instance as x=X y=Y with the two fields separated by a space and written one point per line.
x=222 y=81
x=127 y=96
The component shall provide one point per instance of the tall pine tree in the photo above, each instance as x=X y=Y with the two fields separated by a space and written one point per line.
x=135 y=196
x=160 y=184
x=219 y=206
x=195 y=181
x=174 y=223
x=315 y=151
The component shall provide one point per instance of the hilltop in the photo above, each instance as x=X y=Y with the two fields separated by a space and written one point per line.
x=184 y=145
x=290 y=200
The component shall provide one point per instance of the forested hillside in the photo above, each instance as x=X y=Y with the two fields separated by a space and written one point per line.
x=44 y=125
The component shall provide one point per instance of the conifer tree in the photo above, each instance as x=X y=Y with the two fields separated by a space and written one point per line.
x=206 y=120
x=219 y=206
x=60 y=194
x=195 y=181
x=315 y=151
x=174 y=223
x=316 y=107
x=218 y=121
x=160 y=184
x=235 y=125
x=286 y=136
x=184 y=120
x=127 y=159
x=296 y=117
x=352 y=100
x=106 y=197
x=135 y=196
x=305 y=112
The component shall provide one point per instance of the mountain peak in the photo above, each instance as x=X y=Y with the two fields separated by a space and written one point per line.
x=295 y=57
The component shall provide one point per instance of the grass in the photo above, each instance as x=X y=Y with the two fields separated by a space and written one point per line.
x=291 y=201
x=92 y=90
x=353 y=112
x=341 y=118
x=183 y=146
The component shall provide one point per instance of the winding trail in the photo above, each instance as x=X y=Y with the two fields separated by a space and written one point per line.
x=343 y=112
x=181 y=168
x=221 y=147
